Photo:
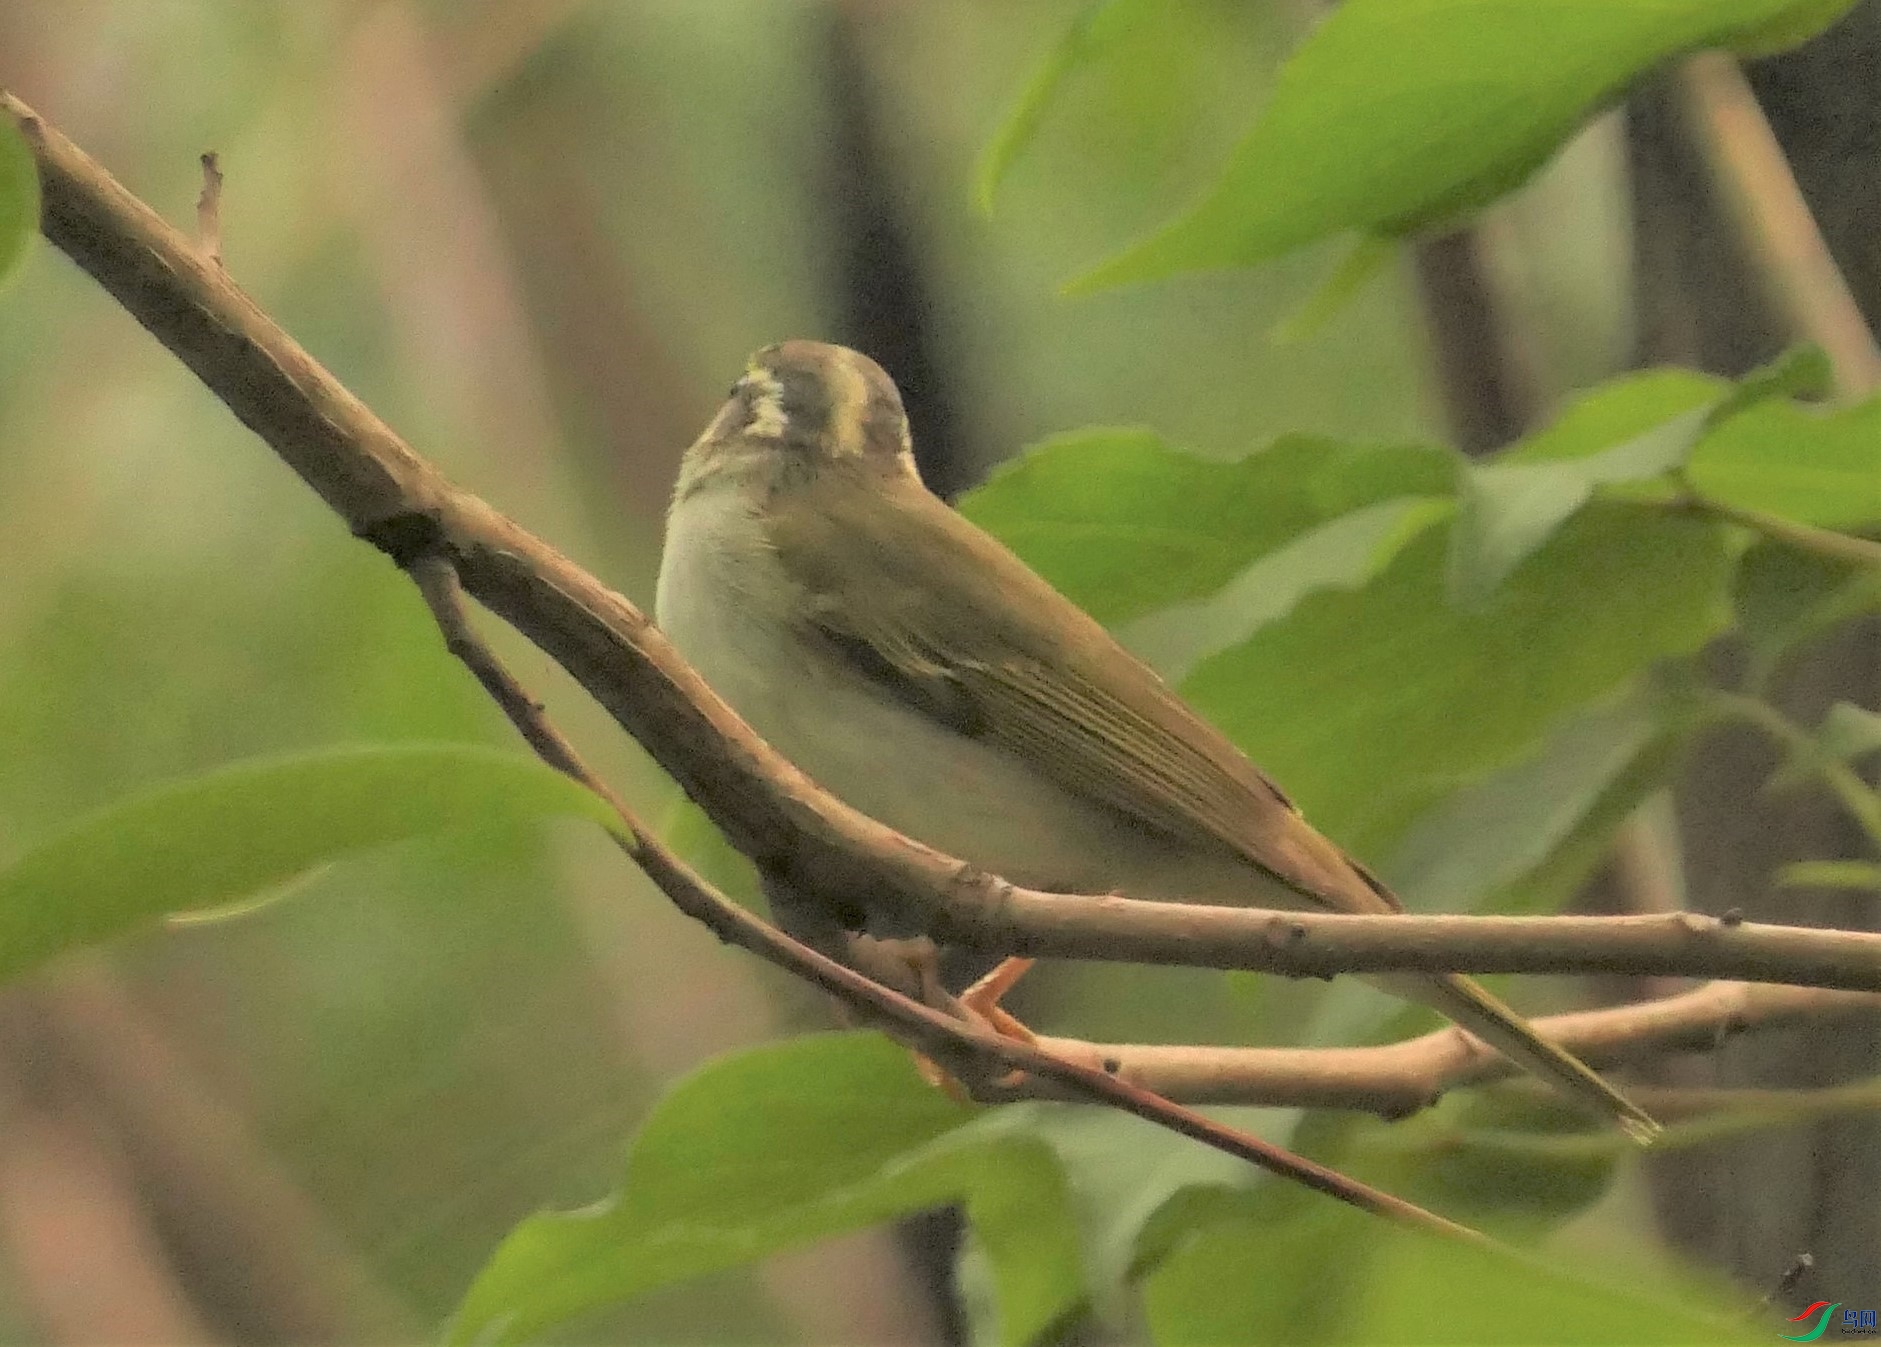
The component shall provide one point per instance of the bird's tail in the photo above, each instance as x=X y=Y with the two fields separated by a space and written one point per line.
x=1471 y=1006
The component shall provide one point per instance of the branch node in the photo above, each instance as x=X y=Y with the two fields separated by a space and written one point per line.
x=1697 y=924
x=405 y=537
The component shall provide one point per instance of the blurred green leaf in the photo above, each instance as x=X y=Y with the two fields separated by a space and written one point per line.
x=1362 y=261
x=1510 y=505
x=1619 y=409
x=1562 y=874
x=212 y=839
x=1862 y=875
x=1121 y=523
x=1425 y=1290
x=1784 y=596
x=19 y=199
x=1336 y=1276
x=1492 y=832
x=1097 y=32
x=1504 y=1161
x=1372 y=704
x=1800 y=371
x=688 y=831
x=1812 y=465
x=1342 y=554
x=1507 y=510
x=1848 y=732
x=1395 y=114
x=768 y=1149
x=1280 y=1274
x=1122 y=1171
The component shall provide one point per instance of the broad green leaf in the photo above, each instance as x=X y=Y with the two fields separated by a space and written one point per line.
x=1424 y=1290
x=1848 y=732
x=1507 y=510
x=1785 y=596
x=1121 y=523
x=688 y=831
x=1618 y=410
x=1487 y=835
x=1476 y=1158
x=1564 y=872
x=1800 y=371
x=213 y=839
x=1370 y=705
x=19 y=199
x=769 y=1149
x=1335 y=1277
x=1804 y=463
x=1860 y=875
x=1342 y=554
x=1629 y=431
x=1121 y=1172
x=1395 y=114
x=1098 y=30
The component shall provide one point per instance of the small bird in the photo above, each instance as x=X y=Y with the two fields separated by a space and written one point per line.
x=913 y=666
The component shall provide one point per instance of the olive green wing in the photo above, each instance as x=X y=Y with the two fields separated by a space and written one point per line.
x=939 y=614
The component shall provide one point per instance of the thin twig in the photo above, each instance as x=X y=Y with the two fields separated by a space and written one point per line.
x=1395 y=1079
x=209 y=209
x=934 y=1033
x=1785 y=244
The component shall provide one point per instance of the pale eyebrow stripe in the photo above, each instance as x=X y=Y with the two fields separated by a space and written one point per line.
x=850 y=405
x=767 y=406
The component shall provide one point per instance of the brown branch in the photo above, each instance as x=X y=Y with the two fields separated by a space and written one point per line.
x=1397 y=1079
x=1791 y=257
x=970 y=1047
x=768 y=809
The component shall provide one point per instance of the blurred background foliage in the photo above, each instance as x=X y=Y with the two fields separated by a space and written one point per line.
x=539 y=237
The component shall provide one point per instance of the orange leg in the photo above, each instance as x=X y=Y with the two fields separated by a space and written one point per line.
x=984 y=996
x=981 y=1002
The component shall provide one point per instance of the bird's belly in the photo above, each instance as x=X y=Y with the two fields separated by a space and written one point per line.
x=961 y=796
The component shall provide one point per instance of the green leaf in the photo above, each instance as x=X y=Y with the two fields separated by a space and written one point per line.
x=1121 y=523
x=1396 y=114
x=1785 y=596
x=1861 y=875
x=1620 y=409
x=1801 y=371
x=1342 y=554
x=1803 y=463
x=690 y=832
x=1489 y=834
x=1122 y=1171
x=213 y=839
x=768 y=1149
x=1848 y=732
x=1507 y=510
x=19 y=199
x=1341 y=1277
x=1096 y=32
x=1425 y=1290
x=1483 y=1158
x=1370 y=705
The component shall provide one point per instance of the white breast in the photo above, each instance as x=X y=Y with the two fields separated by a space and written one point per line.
x=718 y=589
